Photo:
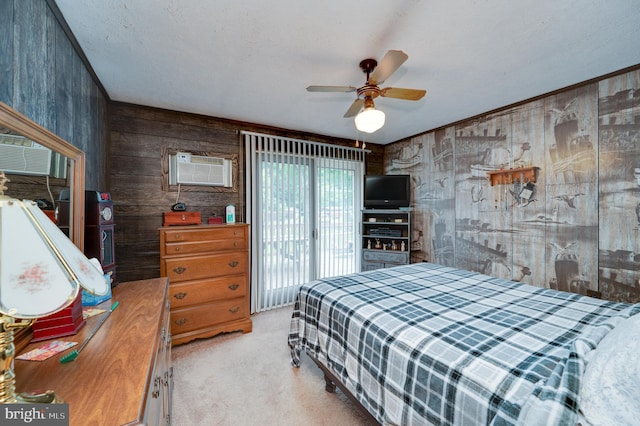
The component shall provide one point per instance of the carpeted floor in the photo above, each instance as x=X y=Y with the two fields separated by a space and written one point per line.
x=247 y=379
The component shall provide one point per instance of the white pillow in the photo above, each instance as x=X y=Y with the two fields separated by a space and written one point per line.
x=610 y=391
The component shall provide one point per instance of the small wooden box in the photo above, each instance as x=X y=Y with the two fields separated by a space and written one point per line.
x=181 y=218
x=68 y=329
x=64 y=323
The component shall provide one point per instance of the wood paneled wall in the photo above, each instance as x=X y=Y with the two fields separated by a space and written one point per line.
x=578 y=231
x=43 y=76
x=138 y=182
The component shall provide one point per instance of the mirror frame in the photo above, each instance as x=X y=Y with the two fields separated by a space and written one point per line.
x=13 y=120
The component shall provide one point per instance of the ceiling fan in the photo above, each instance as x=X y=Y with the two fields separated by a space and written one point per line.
x=376 y=74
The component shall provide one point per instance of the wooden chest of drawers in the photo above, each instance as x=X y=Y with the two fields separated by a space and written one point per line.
x=124 y=375
x=208 y=269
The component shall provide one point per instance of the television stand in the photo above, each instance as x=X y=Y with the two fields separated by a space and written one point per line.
x=386 y=238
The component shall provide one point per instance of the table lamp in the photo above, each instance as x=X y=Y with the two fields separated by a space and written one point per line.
x=41 y=272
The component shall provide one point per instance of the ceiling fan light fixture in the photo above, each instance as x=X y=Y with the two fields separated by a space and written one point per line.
x=369 y=120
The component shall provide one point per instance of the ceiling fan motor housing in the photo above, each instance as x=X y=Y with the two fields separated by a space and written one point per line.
x=368 y=65
x=369 y=90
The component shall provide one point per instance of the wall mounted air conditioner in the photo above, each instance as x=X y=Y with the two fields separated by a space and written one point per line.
x=22 y=156
x=199 y=170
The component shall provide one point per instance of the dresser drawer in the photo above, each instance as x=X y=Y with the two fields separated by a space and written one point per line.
x=208 y=290
x=192 y=318
x=385 y=256
x=203 y=239
x=197 y=247
x=198 y=267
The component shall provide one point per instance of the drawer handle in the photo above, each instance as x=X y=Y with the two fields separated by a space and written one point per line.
x=233 y=263
x=157 y=382
x=234 y=310
x=178 y=248
x=234 y=286
x=180 y=295
x=180 y=321
x=178 y=236
x=179 y=270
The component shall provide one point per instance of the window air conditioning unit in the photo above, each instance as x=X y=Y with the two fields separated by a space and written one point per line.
x=200 y=170
x=22 y=156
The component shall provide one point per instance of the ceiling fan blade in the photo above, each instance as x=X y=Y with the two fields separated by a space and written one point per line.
x=354 y=109
x=331 y=89
x=399 y=93
x=389 y=64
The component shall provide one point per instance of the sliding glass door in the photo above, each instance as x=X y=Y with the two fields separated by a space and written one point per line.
x=337 y=200
x=304 y=207
x=284 y=221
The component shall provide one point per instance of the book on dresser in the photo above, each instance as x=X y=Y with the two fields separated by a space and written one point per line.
x=208 y=271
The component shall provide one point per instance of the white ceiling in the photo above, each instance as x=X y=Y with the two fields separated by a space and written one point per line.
x=251 y=60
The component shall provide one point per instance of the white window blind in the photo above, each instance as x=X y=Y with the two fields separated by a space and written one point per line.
x=303 y=202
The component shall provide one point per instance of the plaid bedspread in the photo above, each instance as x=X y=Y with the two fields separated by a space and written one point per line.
x=426 y=344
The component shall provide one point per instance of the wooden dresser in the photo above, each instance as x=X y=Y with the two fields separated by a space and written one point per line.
x=208 y=270
x=124 y=374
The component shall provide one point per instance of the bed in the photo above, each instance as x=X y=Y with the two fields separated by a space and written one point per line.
x=428 y=344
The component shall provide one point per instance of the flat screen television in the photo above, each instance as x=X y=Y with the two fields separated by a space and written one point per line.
x=387 y=191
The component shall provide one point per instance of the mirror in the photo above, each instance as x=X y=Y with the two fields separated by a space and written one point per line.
x=18 y=124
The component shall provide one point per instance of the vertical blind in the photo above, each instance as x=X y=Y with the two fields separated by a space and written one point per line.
x=303 y=199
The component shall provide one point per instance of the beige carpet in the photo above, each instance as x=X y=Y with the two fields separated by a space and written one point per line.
x=247 y=379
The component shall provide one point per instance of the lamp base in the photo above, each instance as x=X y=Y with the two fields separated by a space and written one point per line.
x=39 y=397
x=7 y=377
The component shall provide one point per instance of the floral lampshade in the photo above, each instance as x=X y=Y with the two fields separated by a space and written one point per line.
x=41 y=270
